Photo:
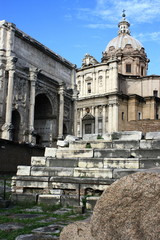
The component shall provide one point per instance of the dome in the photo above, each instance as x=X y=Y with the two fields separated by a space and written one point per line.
x=121 y=41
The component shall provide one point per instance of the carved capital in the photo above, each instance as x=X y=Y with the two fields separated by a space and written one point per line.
x=33 y=72
x=11 y=63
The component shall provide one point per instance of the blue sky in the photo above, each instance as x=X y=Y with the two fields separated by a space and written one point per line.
x=73 y=28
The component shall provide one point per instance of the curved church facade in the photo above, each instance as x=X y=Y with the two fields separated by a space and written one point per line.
x=116 y=94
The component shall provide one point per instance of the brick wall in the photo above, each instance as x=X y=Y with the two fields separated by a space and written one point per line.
x=143 y=125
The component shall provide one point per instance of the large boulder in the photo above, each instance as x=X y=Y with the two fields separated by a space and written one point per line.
x=129 y=209
x=77 y=231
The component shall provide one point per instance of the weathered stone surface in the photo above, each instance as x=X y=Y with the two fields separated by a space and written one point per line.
x=93 y=172
x=128 y=144
x=90 y=137
x=23 y=170
x=127 y=135
x=146 y=144
x=74 y=153
x=67 y=162
x=111 y=153
x=71 y=138
x=121 y=163
x=152 y=135
x=62 y=143
x=38 y=161
x=90 y=163
x=129 y=209
x=50 y=152
x=145 y=153
x=77 y=231
x=149 y=163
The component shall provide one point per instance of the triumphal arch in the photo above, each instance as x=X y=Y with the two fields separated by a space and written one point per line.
x=37 y=89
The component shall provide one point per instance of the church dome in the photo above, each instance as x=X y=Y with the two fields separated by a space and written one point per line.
x=124 y=39
x=127 y=51
x=121 y=41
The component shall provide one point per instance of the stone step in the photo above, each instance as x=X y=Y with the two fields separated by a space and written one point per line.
x=62 y=162
x=74 y=153
x=125 y=144
x=112 y=153
x=125 y=163
x=145 y=153
x=93 y=172
x=99 y=144
x=52 y=171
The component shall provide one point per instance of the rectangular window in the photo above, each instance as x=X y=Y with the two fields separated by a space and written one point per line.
x=155 y=93
x=128 y=68
x=142 y=71
x=122 y=115
x=89 y=87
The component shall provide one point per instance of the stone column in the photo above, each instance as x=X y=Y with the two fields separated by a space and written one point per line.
x=32 y=78
x=115 y=117
x=7 y=127
x=96 y=120
x=81 y=123
x=75 y=97
x=104 y=120
x=61 y=111
x=110 y=118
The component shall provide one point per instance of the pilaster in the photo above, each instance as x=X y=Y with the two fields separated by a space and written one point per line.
x=32 y=77
x=61 y=111
x=7 y=127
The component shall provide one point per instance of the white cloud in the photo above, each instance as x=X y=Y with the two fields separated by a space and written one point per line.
x=111 y=10
x=100 y=25
x=145 y=37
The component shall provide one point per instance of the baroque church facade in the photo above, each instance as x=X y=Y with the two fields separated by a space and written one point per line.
x=116 y=94
x=43 y=97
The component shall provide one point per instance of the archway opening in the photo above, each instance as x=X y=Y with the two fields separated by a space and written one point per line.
x=16 y=119
x=43 y=120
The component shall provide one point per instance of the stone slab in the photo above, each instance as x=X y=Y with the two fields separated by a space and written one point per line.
x=156 y=144
x=121 y=163
x=145 y=144
x=90 y=137
x=127 y=135
x=111 y=153
x=145 y=153
x=50 y=152
x=62 y=143
x=119 y=173
x=24 y=198
x=23 y=170
x=92 y=172
x=74 y=153
x=100 y=144
x=90 y=163
x=51 y=171
x=149 y=163
x=38 y=161
x=152 y=135
x=49 y=199
x=67 y=162
x=126 y=144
